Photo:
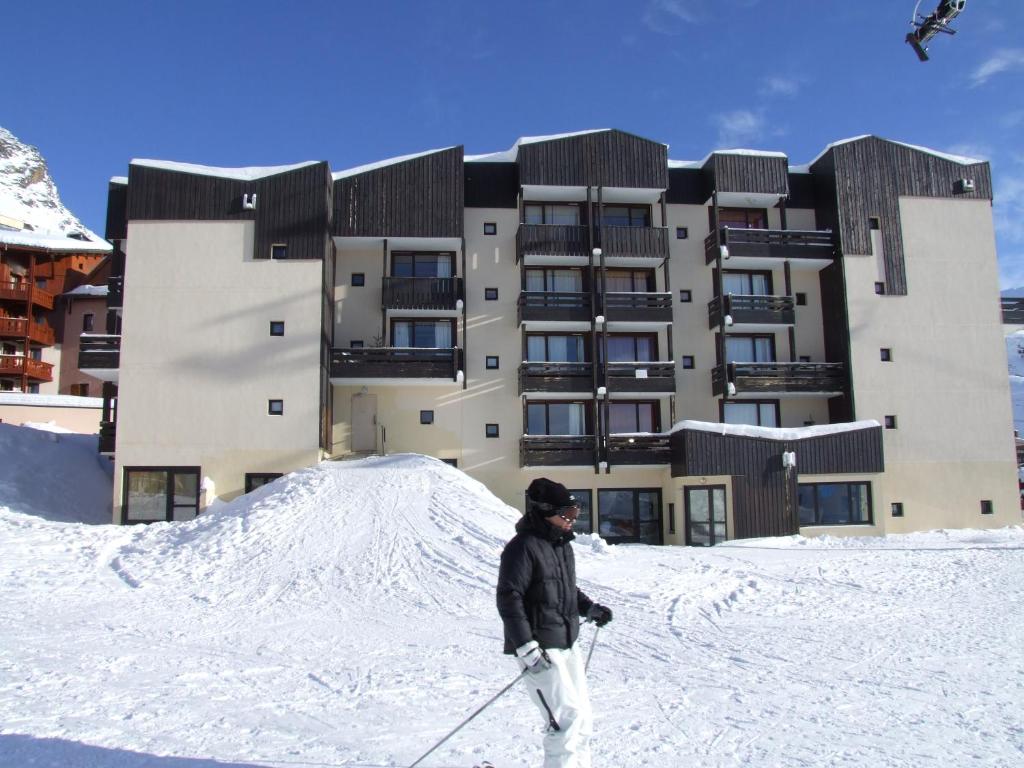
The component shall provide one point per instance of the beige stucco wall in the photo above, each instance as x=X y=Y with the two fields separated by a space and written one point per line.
x=83 y=420
x=357 y=310
x=198 y=364
x=75 y=311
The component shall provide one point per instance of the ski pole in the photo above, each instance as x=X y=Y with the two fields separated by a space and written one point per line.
x=494 y=698
x=593 y=644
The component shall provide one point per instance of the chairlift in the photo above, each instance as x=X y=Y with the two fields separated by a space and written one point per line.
x=926 y=27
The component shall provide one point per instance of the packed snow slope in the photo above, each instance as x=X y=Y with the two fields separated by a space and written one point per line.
x=344 y=616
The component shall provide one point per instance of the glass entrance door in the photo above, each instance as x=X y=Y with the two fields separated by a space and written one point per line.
x=705 y=515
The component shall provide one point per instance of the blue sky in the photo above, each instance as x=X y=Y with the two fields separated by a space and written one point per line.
x=266 y=83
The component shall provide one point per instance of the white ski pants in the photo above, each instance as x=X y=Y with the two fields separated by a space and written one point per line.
x=560 y=694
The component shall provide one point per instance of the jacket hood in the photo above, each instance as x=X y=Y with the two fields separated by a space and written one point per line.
x=533 y=523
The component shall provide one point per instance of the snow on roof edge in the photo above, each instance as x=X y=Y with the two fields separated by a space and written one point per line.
x=511 y=154
x=928 y=151
x=52 y=401
x=239 y=174
x=118 y=179
x=48 y=241
x=346 y=173
x=773 y=433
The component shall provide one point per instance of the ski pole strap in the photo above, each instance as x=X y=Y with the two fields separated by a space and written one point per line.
x=459 y=727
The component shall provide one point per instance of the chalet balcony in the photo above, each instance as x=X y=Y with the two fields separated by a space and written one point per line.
x=755 y=379
x=731 y=310
x=638 y=449
x=637 y=307
x=115 y=292
x=423 y=293
x=108 y=436
x=554 y=241
x=19 y=365
x=20 y=327
x=641 y=377
x=813 y=248
x=553 y=306
x=557 y=450
x=634 y=244
x=395 y=364
x=556 y=377
x=98 y=354
x=20 y=292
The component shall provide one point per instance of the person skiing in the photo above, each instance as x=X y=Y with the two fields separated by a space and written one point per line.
x=540 y=607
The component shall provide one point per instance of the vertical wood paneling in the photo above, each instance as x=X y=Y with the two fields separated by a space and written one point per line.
x=602 y=159
x=749 y=173
x=117 y=212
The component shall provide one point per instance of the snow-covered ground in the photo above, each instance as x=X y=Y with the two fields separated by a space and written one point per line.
x=344 y=616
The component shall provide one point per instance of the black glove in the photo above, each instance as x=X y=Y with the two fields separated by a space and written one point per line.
x=599 y=614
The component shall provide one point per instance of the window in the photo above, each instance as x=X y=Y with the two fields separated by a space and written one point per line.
x=80 y=390
x=556 y=419
x=426 y=417
x=423 y=334
x=623 y=215
x=561 y=280
x=890 y=422
x=555 y=348
x=279 y=251
x=153 y=494
x=801 y=299
x=880 y=289
x=415 y=264
x=757 y=413
x=688 y=362
x=355 y=344
x=743 y=218
x=490 y=228
x=874 y=222
x=491 y=430
x=254 y=480
x=87 y=322
x=585 y=522
x=897 y=508
x=671 y=518
x=834 y=503
x=552 y=213
x=682 y=233
x=685 y=296
x=275 y=407
x=627 y=348
x=490 y=294
x=885 y=353
x=630 y=515
x=706 y=518
x=277 y=327
x=628 y=280
x=626 y=417
x=750 y=349
x=804 y=358
x=491 y=362
x=986 y=507
x=741 y=283
x=358 y=279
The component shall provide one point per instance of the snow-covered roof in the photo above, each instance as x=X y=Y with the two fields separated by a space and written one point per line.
x=511 y=154
x=944 y=155
x=238 y=174
x=50 y=241
x=383 y=163
x=88 y=290
x=773 y=433
x=53 y=401
x=118 y=179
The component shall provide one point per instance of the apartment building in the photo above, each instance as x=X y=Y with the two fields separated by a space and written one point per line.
x=729 y=348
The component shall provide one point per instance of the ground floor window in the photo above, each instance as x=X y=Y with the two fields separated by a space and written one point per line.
x=629 y=515
x=152 y=494
x=705 y=515
x=835 y=503
x=254 y=480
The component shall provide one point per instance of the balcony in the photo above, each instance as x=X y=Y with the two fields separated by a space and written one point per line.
x=732 y=310
x=638 y=449
x=384 y=365
x=638 y=307
x=20 y=291
x=641 y=377
x=756 y=379
x=108 y=435
x=553 y=306
x=634 y=245
x=557 y=450
x=422 y=293
x=18 y=365
x=19 y=328
x=556 y=377
x=99 y=355
x=115 y=292
x=757 y=247
x=552 y=242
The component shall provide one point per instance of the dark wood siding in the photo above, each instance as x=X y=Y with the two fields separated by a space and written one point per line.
x=492 y=185
x=749 y=173
x=117 y=212
x=836 y=328
x=421 y=197
x=602 y=159
x=859 y=451
x=688 y=186
x=801 y=191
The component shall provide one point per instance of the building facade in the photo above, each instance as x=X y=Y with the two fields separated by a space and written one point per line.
x=729 y=348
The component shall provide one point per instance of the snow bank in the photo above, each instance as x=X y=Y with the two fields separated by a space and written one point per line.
x=773 y=433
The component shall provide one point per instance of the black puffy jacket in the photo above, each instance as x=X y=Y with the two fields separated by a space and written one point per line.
x=537 y=594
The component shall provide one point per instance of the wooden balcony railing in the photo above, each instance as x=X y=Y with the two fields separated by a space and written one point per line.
x=439 y=293
x=638 y=307
x=634 y=242
x=761 y=310
x=641 y=377
x=19 y=365
x=396 y=363
x=556 y=377
x=20 y=291
x=781 y=378
x=638 y=449
x=19 y=327
x=551 y=240
x=778 y=244
x=557 y=450
x=99 y=352
x=558 y=306
x=108 y=437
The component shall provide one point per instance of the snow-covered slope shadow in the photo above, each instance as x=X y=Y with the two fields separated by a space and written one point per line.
x=22 y=750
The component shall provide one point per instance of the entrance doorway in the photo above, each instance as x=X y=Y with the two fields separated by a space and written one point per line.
x=364 y=423
x=705 y=515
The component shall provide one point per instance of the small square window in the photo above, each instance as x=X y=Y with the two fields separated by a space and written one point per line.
x=355 y=344
x=491 y=430
x=671 y=517
x=279 y=251
x=490 y=294
x=880 y=289
x=885 y=353
x=358 y=279
x=890 y=422
x=688 y=362
x=986 y=507
x=275 y=407
x=805 y=358
x=492 y=362
x=490 y=228
x=874 y=222
x=682 y=233
x=426 y=417
x=87 y=322
x=897 y=508
x=277 y=327
x=801 y=299
x=685 y=296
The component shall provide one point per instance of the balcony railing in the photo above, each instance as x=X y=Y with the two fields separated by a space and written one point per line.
x=99 y=352
x=639 y=449
x=781 y=378
x=556 y=377
x=641 y=377
x=558 y=306
x=634 y=242
x=115 y=292
x=108 y=436
x=557 y=450
x=551 y=240
x=439 y=293
x=638 y=307
x=396 y=363
x=759 y=310
x=18 y=365
x=778 y=244
x=20 y=291
x=19 y=327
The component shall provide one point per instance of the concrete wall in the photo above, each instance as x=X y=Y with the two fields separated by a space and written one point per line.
x=83 y=419
x=68 y=372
